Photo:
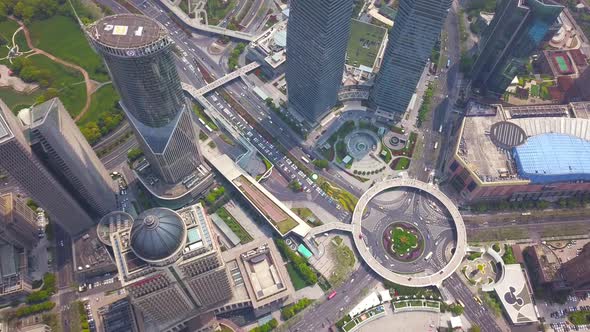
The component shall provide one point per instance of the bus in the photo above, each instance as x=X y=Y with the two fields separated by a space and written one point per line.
x=448 y=63
x=461 y=303
x=428 y=256
x=440 y=129
x=435 y=145
x=305 y=160
x=208 y=128
x=331 y=296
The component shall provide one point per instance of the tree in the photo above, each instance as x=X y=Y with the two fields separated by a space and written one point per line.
x=456 y=309
x=295 y=185
x=475 y=328
x=134 y=154
x=321 y=163
x=91 y=132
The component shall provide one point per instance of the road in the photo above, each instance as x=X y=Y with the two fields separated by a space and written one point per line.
x=476 y=313
x=327 y=313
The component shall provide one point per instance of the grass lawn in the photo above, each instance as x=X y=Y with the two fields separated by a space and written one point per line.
x=402 y=240
x=69 y=83
x=305 y=214
x=364 y=43
x=102 y=101
x=296 y=279
x=217 y=9
x=7 y=29
x=401 y=164
x=62 y=37
x=234 y=225
x=16 y=100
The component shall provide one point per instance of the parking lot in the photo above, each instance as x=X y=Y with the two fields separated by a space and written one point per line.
x=556 y=314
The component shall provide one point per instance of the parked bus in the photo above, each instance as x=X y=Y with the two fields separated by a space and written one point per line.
x=331 y=296
x=428 y=256
x=305 y=160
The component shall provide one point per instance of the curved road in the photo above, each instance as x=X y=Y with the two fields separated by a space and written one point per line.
x=413 y=280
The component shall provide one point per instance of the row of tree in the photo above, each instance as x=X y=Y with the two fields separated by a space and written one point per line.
x=293 y=309
x=299 y=262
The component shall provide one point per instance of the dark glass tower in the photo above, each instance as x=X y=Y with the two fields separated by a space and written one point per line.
x=516 y=32
x=317 y=38
x=416 y=29
x=138 y=53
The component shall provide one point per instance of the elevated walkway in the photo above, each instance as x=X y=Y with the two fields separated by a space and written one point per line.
x=195 y=24
x=227 y=78
x=338 y=226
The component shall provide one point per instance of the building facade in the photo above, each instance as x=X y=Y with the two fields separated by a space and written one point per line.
x=59 y=144
x=317 y=39
x=138 y=53
x=518 y=29
x=417 y=28
x=19 y=161
x=171 y=266
x=18 y=222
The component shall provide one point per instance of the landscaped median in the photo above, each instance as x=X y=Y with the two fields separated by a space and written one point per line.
x=348 y=324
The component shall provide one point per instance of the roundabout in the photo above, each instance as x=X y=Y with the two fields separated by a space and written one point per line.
x=409 y=232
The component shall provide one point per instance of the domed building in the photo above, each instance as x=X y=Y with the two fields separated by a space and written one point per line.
x=170 y=264
x=158 y=235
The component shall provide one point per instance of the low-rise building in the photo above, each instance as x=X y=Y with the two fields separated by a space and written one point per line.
x=522 y=153
x=269 y=50
x=259 y=277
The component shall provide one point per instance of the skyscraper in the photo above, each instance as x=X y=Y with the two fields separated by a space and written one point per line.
x=138 y=53
x=18 y=222
x=171 y=266
x=19 y=161
x=515 y=33
x=59 y=144
x=416 y=29
x=317 y=37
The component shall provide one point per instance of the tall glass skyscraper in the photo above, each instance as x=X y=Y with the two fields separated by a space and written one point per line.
x=138 y=53
x=517 y=30
x=416 y=29
x=317 y=37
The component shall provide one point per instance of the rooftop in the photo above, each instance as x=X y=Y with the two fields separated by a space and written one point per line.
x=162 y=240
x=112 y=222
x=491 y=133
x=157 y=234
x=262 y=271
x=91 y=255
x=514 y=293
x=126 y=31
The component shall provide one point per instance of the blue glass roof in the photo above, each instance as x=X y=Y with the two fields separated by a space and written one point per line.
x=550 y=158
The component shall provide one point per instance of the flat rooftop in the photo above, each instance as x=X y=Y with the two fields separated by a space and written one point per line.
x=91 y=254
x=126 y=31
x=514 y=293
x=164 y=190
x=261 y=271
x=490 y=132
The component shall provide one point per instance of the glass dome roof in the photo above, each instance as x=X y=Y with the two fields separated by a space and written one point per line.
x=157 y=234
